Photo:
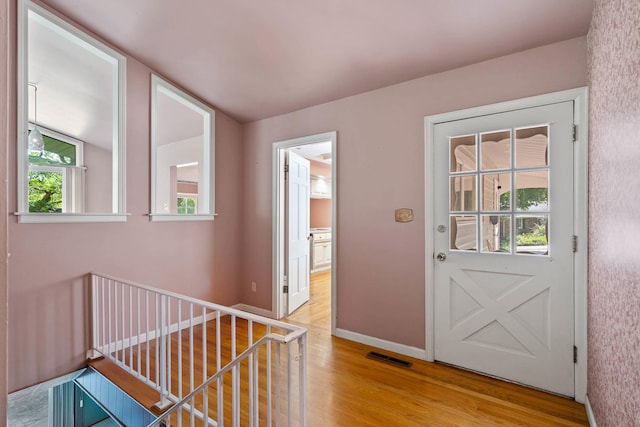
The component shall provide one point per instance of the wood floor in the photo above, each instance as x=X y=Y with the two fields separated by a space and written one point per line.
x=345 y=388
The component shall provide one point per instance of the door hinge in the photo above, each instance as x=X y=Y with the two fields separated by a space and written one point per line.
x=575 y=354
x=575 y=133
x=574 y=243
x=285 y=289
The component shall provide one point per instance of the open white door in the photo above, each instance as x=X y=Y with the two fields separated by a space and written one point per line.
x=297 y=230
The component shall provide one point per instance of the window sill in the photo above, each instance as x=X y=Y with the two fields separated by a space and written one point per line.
x=182 y=217
x=65 y=218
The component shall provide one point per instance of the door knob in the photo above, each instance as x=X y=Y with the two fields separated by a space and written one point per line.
x=441 y=256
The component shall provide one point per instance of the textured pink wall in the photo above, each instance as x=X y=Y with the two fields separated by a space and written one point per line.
x=49 y=262
x=380 y=155
x=4 y=135
x=614 y=203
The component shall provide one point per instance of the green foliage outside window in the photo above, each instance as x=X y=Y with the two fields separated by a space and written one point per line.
x=525 y=198
x=45 y=187
x=45 y=191
x=186 y=205
x=535 y=234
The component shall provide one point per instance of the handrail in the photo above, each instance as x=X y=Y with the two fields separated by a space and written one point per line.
x=136 y=326
x=209 y=305
x=228 y=367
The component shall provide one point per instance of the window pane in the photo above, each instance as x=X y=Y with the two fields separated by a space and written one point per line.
x=463 y=193
x=45 y=191
x=496 y=150
x=462 y=152
x=532 y=147
x=496 y=192
x=532 y=191
x=532 y=235
x=464 y=233
x=496 y=233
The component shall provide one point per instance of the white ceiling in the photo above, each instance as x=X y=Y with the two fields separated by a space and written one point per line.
x=256 y=59
x=320 y=152
x=74 y=85
x=175 y=121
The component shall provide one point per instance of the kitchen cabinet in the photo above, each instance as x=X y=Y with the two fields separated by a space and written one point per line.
x=321 y=251
x=320 y=187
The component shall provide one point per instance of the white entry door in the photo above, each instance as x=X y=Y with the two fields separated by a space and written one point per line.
x=297 y=230
x=503 y=211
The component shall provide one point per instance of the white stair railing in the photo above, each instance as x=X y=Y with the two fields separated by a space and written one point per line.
x=207 y=362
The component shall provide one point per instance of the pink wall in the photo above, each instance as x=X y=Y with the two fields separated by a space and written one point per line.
x=98 y=178
x=319 y=169
x=5 y=42
x=48 y=310
x=614 y=241
x=320 y=209
x=320 y=213
x=380 y=155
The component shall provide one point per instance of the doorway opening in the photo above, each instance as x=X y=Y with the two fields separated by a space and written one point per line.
x=304 y=223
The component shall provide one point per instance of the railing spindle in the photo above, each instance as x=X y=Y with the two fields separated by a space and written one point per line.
x=131 y=328
x=235 y=373
x=147 y=337
x=94 y=315
x=251 y=401
x=139 y=334
x=104 y=320
x=110 y=342
x=180 y=350
x=122 y=311
x=163 y=352
x=116 y=316
x=219 y=383
x=168 y=341
x=157 y=329
x=205 y=396
x=269 y=385
x=113 y=304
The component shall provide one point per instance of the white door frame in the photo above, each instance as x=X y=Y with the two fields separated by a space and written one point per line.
x=278 y=230
x=580 y=202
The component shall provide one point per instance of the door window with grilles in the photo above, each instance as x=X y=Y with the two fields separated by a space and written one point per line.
x=499 y=191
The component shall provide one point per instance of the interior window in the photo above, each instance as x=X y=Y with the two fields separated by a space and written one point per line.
x=71 y=90
x=182 y=155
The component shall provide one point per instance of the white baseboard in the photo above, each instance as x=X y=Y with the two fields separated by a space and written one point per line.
x=406 y=350
x=118 y=345
x=590 y=416
x=254 y=310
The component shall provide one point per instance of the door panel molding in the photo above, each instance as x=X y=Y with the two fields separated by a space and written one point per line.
x=579 y=97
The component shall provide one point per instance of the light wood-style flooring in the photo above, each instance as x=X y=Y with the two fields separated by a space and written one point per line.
x=345 y=388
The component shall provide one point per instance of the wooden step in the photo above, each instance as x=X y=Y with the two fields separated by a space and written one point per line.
x=142 y=393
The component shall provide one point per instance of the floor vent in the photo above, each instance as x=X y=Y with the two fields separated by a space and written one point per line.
x=388 y=359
